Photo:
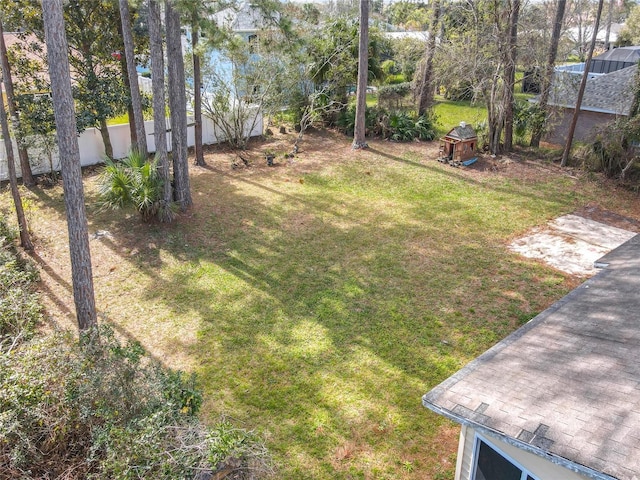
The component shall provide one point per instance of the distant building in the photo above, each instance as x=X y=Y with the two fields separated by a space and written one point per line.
x=608 y=95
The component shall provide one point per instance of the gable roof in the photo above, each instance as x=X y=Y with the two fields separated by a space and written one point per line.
x=611 y=93
x=565 y=386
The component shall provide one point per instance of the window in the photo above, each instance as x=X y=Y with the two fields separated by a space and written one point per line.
x=253 y=43
x=491 y=464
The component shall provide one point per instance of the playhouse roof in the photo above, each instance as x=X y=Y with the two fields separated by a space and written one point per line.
x=565 y=386
x=462 y=132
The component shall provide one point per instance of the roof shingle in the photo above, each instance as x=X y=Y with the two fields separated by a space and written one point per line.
x=568 y=382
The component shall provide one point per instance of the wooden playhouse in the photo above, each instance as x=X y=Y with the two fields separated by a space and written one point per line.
x=458 y=147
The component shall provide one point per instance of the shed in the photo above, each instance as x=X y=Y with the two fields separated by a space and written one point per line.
x=459 y=144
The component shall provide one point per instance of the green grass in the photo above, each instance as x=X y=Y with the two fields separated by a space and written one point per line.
x=319 y=302
x=124 y=118
x=450 y=113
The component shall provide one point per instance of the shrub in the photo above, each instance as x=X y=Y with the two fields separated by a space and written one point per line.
x=20 y=309
x=390 y=67
x=392 y=95
x=459 y=90
x=403 y=127
x=616 y=149
x=527 y=117
x=132 y=182
x=103 y=410
x=395 y=126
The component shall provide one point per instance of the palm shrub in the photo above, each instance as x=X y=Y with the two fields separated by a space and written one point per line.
x=404 y=127
x=132 y=182
x=426 y=127
x=397 y=126
x=401 y=127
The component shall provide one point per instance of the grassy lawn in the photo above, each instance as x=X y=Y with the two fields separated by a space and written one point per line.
x=124 y=118
x=450 y=113
x=319 y=300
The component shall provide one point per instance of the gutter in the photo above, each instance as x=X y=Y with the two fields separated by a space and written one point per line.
x=558 y=460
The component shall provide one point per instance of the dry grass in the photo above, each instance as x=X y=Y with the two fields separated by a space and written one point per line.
x=320 y=298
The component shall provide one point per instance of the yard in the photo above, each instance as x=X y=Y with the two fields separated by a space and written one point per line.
x=319 y=299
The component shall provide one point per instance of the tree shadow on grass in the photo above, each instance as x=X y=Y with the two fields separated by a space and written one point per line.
x=322 y=315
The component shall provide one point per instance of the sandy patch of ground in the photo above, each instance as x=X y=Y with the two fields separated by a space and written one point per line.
x=572 y=243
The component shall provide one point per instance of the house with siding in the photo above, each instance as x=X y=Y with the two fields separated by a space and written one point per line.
x=559 y=399
x=606 y=97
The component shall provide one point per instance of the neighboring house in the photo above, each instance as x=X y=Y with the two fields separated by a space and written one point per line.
x=245 y=20
x=607 y=62
x=559 y=399
x=581 y=37
x=606 y=97
x=422 y=36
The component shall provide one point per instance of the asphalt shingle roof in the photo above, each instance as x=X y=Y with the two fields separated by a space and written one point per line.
x=462 y=133
x=568 y=382
x=610 y=93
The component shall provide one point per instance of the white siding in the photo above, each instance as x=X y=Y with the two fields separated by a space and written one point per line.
x=465 y=453
x=537 y=466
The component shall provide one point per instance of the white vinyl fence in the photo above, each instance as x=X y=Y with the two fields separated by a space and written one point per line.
x=92 y=147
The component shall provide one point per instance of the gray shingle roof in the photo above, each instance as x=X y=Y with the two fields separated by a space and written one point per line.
x=568 y=382
x=610 y=93
x=462 y=133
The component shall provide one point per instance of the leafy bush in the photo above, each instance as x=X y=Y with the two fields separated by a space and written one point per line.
x=392 y=95
x=460 y=90
x=132 y=182
x=616 y=149
x=390 y=67
x=20 y=309
x=527 y=117
x=395 y=126
x=102 y=410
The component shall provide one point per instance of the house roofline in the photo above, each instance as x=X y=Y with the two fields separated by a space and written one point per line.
x=583 y=108
x=558 y=460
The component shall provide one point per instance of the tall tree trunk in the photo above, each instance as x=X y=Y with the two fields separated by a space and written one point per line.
x=495 y=112
x=197 y=97
x=178 y=108
x=136 y=101
x=510 y=74
x=130 y=112
x=607 y=43
x=159 y=108
x=25 y=166
x=63 y=108
x=583 y=85
x=25 y=241
x=127 y=86
x=426 y=84
x=106 y=139
x=548 y=73
x=359 y=134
